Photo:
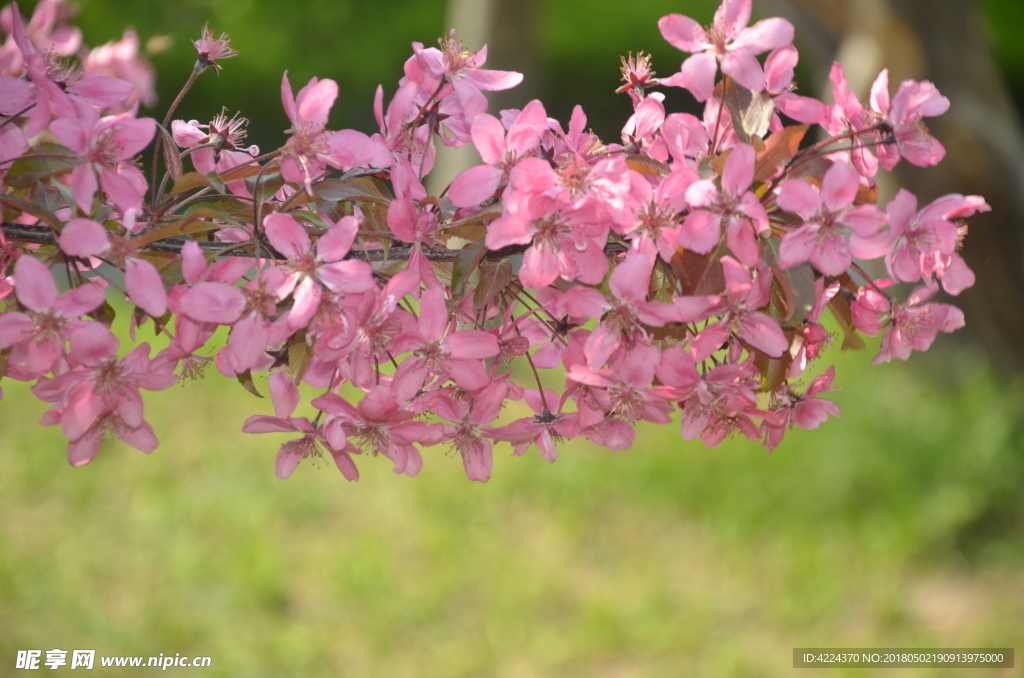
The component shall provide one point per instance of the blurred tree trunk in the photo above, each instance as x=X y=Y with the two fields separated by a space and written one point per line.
x=943 y=42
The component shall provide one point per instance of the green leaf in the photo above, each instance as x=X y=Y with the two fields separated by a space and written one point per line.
x=337 y=190
x=751 y=112
x=172 y=159
x=299 y=356
x=245 y=379
x=839 y=305
x=303 y=215
x=217 y=182
x=26 y=170
x=466 y=261
x=46 y=197
x=31 y=208
x=64 y=191
x=270 y=183
x=647 y=165
x=240 y=173
x=105 y=313
x=189 y=182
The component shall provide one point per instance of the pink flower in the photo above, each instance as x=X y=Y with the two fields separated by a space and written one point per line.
x=721 y=402
x=468 y=415
x=544 y=429
x=40 y=33
x=414 y=223
x=454 y=73
x=101 y=393
x=313 y=269
x=330 y=434
x=42 y=331
x=828 y=216
x=812 y=336
x=564 y=242
x=744 y=296
x=58 y=82
x=902 y=132
x=398 y=138
x=805 y=410
x=727 y=41
x=440 y=352
x=868 y=307
x=628 y=310
x=778 y=71
x=625 y=391
x=847 y=116
x=380 y=425
x=108 y=145
x=733 y=207
x=311 y=147
x=913 y=327
x=640 y=133
x=121 y=60
x=655 y=218
x=499 y=152
x=252 y=328
x=87 y=238
x=211 y=49
x=222 y=138
x=925 y=242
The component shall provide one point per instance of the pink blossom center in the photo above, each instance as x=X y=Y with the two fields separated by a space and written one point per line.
x=465 y=437
x=373 y=437
x=433 y=355
x=654 y=218
x=48 y=325
x=308 y=139
x=574 y=175
x=626 y=402
x=109 y=378
x=305 y=447
x=64 y=71
x=621 y=317
x=104 y=150
x=259 y=301
x=550 y=233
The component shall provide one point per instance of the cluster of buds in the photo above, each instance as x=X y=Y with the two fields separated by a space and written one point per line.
x=685 y=269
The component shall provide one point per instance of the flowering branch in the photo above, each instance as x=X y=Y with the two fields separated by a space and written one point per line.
x=686 y=268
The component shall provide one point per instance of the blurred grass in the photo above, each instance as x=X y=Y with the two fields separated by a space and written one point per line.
x=896 y=525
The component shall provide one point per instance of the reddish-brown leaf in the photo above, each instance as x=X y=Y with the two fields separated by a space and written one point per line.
x=779 y=149
x=698 y=273
x=646 y=165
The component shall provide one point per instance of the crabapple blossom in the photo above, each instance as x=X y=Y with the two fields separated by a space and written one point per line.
x=727 y=41
x=828 y=215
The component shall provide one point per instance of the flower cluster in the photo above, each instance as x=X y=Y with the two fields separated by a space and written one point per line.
x=685 y=267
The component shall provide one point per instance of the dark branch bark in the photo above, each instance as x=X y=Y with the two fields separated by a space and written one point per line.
x=42 y=235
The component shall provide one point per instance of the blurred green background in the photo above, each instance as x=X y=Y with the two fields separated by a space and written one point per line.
x=900 y=524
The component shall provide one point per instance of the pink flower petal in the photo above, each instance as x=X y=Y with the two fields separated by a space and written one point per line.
x=34 y=284
x=145 y=286
x=471 y=344
x=83 y=238
x=698 y=75
x=474 y=185
x=287 y=235
x=210 y=302
x=683 y=33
